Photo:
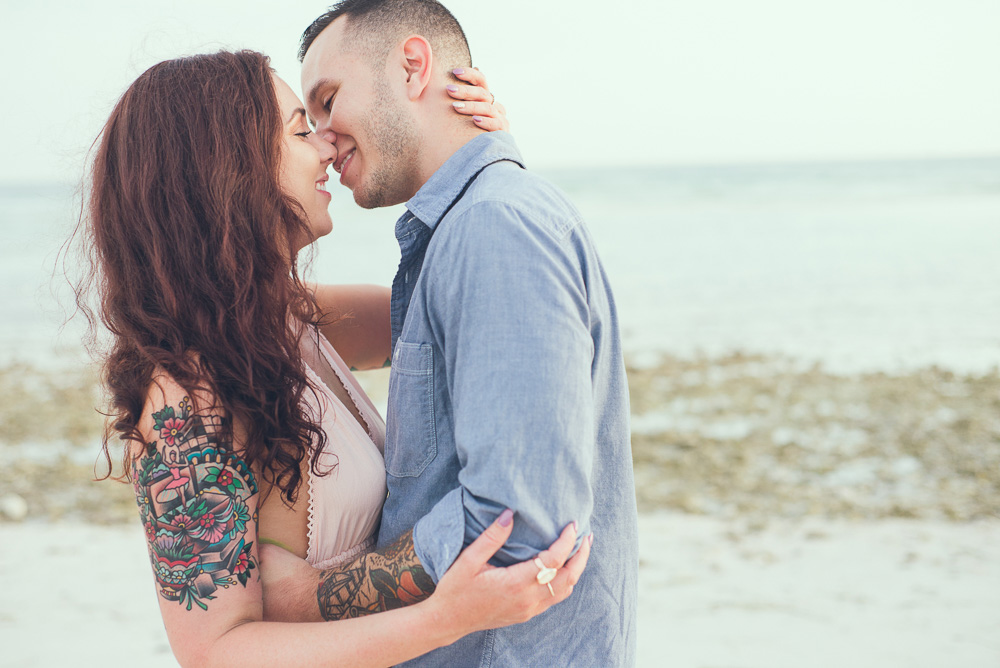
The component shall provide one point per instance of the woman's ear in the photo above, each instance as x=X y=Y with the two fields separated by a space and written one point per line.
x=418 y=58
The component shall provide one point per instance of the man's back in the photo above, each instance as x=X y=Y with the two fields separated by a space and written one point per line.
x=508 y=389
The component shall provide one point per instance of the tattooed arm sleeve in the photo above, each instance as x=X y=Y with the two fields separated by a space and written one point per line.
x=197 y=502
x=385 y=580
x=193 y=493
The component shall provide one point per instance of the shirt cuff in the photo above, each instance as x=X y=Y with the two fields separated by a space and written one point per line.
x=439 y=535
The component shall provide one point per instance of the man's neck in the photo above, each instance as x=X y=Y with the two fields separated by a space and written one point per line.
x=443 y=142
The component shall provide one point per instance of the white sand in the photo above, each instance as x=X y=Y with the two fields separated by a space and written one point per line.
x=818 y=593
x=713 y=594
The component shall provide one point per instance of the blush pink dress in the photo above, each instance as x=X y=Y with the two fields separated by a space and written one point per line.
x=346 y=504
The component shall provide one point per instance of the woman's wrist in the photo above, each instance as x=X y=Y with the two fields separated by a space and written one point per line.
x=439 y=624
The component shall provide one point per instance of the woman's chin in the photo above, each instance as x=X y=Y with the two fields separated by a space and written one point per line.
x=317 y=230
x=323 y=228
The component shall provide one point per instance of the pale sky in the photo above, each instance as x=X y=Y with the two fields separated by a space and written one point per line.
x=586 y=83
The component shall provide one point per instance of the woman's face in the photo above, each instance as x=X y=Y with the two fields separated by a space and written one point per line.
x=304 y=159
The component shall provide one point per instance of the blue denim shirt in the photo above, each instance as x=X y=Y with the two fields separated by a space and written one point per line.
x=508 y=390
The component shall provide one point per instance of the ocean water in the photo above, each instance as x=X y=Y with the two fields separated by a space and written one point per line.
x=857 y=266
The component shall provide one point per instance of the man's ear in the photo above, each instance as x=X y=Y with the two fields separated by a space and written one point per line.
x=418 y=60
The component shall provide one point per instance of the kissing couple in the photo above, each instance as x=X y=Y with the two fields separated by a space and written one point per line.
x=491 y=519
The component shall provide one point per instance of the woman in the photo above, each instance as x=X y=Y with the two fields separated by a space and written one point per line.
x=240 y=419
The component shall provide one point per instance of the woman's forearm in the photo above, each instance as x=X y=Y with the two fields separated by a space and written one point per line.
x=384 y=639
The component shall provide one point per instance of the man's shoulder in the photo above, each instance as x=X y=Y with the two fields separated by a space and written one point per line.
x=506 y=190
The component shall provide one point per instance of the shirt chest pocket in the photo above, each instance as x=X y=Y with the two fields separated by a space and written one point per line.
x=411 y=434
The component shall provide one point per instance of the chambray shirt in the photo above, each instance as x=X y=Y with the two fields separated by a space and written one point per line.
x=508 y=390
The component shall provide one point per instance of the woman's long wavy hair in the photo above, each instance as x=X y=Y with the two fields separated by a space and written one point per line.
x=192 y=259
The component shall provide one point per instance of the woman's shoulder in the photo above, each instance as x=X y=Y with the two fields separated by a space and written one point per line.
x=176 y=414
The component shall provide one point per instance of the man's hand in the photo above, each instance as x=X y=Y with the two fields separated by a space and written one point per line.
x=289 y=586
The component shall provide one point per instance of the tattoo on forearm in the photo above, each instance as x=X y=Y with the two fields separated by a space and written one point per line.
x=379 y=581
x=194 y=498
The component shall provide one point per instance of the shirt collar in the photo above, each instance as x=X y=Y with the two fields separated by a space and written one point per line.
x=436 y=196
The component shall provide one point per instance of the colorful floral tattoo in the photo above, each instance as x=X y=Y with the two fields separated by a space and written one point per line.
x=378 y=581
x=193 y=493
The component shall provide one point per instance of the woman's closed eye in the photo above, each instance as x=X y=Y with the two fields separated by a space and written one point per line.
x=304 y=134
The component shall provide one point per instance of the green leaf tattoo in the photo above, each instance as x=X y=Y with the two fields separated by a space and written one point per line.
x=193 y=494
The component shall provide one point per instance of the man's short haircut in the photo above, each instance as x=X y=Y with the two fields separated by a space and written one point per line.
x=377 y=26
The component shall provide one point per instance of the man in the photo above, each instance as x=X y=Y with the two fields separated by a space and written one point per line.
x=508 y=387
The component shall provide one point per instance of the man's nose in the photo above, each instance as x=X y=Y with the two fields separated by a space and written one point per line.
x=327 y=150
x=327 y=134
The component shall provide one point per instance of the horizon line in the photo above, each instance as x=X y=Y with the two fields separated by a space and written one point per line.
x=680 y=165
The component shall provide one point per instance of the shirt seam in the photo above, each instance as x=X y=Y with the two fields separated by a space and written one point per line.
x=453 y=177
x=487 y=658
x=561 y=233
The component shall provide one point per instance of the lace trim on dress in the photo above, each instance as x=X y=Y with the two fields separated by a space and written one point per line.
x=310 y=521
x=358 y=405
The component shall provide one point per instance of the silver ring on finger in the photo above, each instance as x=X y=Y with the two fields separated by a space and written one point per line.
x=545 y=575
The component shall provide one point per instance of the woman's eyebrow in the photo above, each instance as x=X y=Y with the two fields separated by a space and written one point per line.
x=297 y=112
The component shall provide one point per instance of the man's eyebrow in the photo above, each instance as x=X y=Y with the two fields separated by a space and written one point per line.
x=314 y=91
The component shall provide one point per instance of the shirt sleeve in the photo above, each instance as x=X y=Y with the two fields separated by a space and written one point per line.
x=509 y=309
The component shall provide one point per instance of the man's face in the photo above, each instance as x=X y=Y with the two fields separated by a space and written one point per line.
x=354 y=107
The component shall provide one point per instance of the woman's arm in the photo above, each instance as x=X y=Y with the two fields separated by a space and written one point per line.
x=469 y=596
x=356 y=322
x=393 y=577
x=198 y=500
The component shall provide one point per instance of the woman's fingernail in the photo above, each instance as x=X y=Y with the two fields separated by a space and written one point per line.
x=452 y=88
x=576 y=527
x=506 y=517
x=458 y=71
x=478 y=119
x=591 y=539
x=458 y=105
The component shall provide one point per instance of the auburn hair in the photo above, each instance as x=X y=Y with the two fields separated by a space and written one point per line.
x=191 y=257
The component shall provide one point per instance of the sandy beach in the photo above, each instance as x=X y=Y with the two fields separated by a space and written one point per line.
x=713 y=594
x=789 y=517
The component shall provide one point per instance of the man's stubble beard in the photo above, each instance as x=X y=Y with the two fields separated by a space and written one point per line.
x=394 y=135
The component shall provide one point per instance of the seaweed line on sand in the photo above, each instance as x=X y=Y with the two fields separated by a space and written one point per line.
x=748 y=435
x=741 y=436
